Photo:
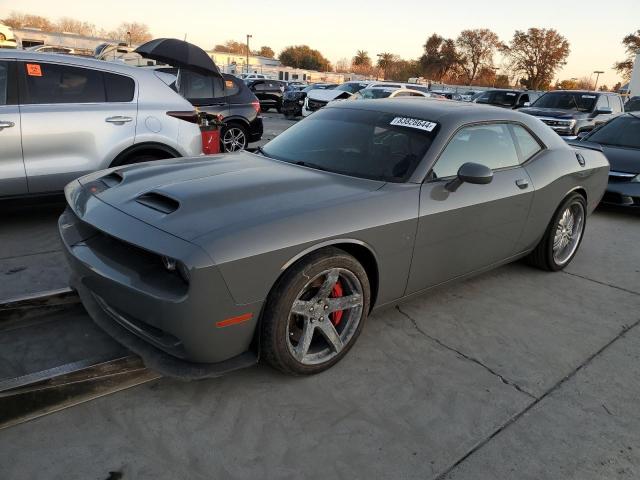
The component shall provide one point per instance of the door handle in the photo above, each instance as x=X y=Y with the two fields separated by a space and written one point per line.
x=6 y=125
x=118 y=119
x=522 y=183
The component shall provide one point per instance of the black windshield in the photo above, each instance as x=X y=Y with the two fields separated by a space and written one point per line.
x=620 y=132
x=355 y=142
x=582 y=102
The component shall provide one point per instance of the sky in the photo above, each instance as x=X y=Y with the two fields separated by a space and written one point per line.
x=338 y=28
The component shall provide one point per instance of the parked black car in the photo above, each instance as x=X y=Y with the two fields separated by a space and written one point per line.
x=512 y=99
x=570 y=112
x=229 y=98
x=292 y=101
x=632 y=105
x=619 y=140
x=269 y=93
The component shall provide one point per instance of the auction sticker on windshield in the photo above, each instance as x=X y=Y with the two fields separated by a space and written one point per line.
x=425 y=125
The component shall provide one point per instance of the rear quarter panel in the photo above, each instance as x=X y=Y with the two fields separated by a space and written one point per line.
x=556 y=173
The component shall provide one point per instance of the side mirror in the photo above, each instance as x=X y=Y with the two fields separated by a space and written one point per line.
x=604 y=111
x=469 y=172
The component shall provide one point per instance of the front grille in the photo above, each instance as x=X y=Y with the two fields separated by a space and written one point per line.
x=314 y=105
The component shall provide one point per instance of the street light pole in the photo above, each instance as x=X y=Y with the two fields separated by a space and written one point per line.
x=597 y=72
x=248 y=37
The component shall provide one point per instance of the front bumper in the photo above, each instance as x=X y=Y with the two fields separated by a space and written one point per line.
x=622 y=194
x=114 y=266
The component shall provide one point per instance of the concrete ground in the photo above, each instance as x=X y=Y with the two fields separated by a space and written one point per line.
x=515 y=374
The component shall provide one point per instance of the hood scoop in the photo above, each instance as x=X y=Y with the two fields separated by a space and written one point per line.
x=159 y=202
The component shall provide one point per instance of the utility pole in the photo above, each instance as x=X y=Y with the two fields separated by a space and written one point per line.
x=248 y=37
x=597 y=72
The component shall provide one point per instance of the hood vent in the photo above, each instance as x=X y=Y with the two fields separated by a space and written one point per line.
x=112 y=179
x=158 y=202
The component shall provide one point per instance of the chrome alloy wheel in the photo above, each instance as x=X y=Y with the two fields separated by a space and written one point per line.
x=324 y=316
x=568 y=233
x=234 y=139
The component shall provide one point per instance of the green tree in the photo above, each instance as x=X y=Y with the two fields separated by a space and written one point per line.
x=476 y=49
x=440 y=58
x=536 y=55
x=631 y=45
x=302 y=56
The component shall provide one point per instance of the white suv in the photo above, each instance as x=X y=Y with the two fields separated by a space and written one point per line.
x=62 y=117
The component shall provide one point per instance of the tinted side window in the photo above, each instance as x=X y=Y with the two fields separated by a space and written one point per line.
x=194 y=86
x=4 y=82
x=51 y=83
x=119 y=88
x=529 y=146
x=490 y=145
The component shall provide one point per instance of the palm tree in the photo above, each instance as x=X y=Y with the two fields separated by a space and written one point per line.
x=362 y=59
x=385 y=60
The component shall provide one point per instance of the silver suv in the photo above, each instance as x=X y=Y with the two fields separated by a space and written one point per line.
x=63 y=116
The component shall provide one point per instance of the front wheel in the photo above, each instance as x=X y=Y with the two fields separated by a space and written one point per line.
x=563 y=235
x=315 y=313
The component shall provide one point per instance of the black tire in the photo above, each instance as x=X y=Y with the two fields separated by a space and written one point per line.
x=542 y=256
x=233 y=127
x=274 y=328
x=265 y=108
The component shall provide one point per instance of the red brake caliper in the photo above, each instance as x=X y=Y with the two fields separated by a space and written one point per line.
x=336 y=317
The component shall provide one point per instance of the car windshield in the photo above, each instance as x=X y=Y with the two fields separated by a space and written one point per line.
x=622 y=131
x=369 y=93
x=582 y=102
x=359 y=143
x=506 y=99
x=351 y=87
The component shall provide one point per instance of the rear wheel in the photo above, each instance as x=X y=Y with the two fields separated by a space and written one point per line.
x=233 y=138
x=315 y=313
x=563 y=236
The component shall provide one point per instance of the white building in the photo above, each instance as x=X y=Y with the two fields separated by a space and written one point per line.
x=634 y=84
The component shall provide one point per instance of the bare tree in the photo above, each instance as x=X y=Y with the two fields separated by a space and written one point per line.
x=67 y=24
x=343 y=66
x=536 y=54
x=133 y=32
x=476 y=49
x=21 y=20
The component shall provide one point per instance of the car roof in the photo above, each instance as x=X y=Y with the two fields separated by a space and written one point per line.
x=72 y=60
x=435 y=110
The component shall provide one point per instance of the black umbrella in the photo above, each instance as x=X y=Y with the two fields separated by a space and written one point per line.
x=179 y=54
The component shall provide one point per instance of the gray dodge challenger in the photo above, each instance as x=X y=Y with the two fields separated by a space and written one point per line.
x=204 y=265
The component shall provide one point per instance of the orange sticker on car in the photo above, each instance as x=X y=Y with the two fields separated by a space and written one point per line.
x=34 y=70
x=228 y=83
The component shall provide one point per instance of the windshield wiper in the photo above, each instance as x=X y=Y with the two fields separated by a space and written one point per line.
x=260 y=150
x=312 y=165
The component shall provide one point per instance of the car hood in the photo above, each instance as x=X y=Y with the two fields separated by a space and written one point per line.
x=554 y=113
x=326 y=95
x=622 y=159
x=189 y=198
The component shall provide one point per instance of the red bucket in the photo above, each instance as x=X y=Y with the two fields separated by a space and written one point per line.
x=210 y=140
